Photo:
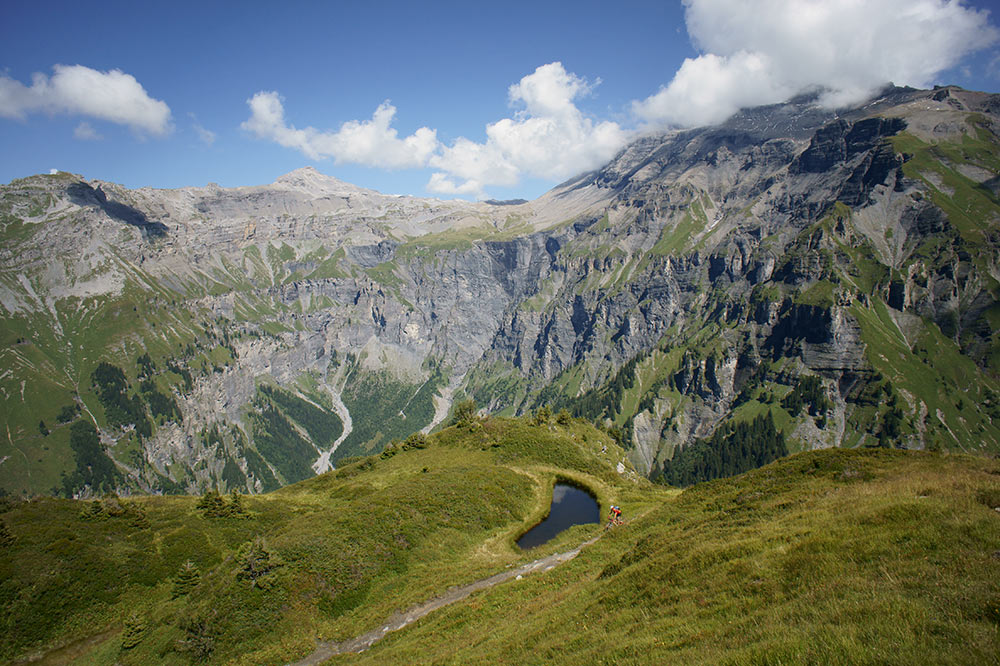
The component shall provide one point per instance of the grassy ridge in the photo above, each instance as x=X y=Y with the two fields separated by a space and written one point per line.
x=327 y=557
x=844 y=556
x=826 y=557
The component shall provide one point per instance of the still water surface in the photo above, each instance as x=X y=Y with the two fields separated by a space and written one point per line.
x=570 y=506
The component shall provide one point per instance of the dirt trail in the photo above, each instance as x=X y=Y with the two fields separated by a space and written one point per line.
x=328 y=649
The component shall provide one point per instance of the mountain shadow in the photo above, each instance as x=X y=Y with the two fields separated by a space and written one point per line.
x=85 y=195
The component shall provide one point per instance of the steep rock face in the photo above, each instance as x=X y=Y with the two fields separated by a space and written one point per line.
x=694 y=280
x=683 y=247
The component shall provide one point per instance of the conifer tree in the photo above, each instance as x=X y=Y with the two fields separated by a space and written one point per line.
x=211 y=504
x=187 y=578
x=235 y=508
x=6 y=538
x=132 y=633
x=256 y=562
x=543 y=415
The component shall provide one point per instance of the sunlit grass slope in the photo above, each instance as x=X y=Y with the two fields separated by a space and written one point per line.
x=829 y=557
x=836 y=556
x=160 y=580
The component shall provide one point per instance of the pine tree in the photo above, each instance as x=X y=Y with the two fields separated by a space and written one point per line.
x=256 y=562
x=543 y=415
x=132 y=633
x=235 y=508
x=187 y=579
x=6 y=537
x=211 y=504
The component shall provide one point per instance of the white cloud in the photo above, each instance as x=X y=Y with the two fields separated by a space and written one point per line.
x=767 y=51
x=77 y=90
x=206 y=136
x=85 y=132
x=993 y=67
x=440 y=183
x=550 y=138
x=370 y=142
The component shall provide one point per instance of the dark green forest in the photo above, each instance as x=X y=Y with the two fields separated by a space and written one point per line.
x=731 y=450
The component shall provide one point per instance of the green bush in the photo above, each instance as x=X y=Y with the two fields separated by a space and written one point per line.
x=466 y=414
x=133 y=631
x=187 y=578
x=256 y=563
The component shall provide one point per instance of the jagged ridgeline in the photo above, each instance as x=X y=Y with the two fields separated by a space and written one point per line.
x=832 y=274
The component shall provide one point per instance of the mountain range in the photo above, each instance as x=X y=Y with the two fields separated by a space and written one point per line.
x=835 y=271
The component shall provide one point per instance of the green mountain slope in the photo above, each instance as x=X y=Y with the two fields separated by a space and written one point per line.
x=849 y=556
x=838 y=270
x=825 y=557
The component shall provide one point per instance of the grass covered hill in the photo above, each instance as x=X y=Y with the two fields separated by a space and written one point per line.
x=844 y=556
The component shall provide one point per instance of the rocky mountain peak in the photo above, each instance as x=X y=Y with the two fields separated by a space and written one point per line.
x=810 y=264
x=308 y=180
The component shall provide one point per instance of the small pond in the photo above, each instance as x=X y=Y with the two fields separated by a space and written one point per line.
x=570 y=506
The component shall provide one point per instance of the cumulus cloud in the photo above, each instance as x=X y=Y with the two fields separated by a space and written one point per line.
x=113 y=96
x=85 y=132
x=549 y=138
x=206 y=136
x=369 y=142
x=767 y=51
x=440 y=183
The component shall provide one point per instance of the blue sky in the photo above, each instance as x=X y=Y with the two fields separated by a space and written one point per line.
x=437 y=98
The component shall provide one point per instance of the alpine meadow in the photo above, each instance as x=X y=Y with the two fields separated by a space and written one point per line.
x=308 y=422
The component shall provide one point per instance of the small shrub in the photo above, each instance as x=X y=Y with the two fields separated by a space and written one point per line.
x=6 y=537
x=213 y=505
x=542 y=416
x=68 y=413
x=256 y=563
x=199 y=637
x=466 y=414
x=187 y=578
x=990 y=497
x=134 y=630
x=417 y=440
x=112 y=506
x=93 y=511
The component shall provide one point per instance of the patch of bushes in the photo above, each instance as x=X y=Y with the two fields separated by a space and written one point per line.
x=94 y=469
x=732 y=449
x=213 y=505
x=808 y=392
x=120 y=408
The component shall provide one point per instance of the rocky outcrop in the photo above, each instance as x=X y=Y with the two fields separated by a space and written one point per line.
x=726 y=259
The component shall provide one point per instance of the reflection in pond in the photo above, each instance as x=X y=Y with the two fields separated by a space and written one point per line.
x=570 y=506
